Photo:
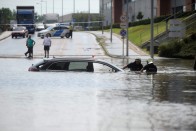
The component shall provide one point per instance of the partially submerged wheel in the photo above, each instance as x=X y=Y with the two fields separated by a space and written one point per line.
x=67 y=35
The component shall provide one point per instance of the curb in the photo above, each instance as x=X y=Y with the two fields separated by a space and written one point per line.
x=102 y=42
x=5 y=37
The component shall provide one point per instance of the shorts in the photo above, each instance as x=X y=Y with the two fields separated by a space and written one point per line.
x=30 y=49
x=46 y=47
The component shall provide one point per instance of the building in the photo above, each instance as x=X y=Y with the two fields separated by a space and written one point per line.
x=81 y=19
x=161 y=7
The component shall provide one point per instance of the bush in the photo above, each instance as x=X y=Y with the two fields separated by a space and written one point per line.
x=179 y=49
x=188 y=51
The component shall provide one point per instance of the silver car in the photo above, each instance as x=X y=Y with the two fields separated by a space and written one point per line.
x=74 y=64
x=57 y=31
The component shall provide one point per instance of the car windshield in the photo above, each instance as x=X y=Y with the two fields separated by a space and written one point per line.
x=49 y=28
x=18 y=29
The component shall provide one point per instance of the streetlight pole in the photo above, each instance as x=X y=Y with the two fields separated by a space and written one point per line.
x=111 y=23
x=46 y=5
x=89 y=13
x=73 y=6
x=62 y=11
x=102 y=14
x=127 y=49
x=41 y=7
x=53 y=6
x=152 y=30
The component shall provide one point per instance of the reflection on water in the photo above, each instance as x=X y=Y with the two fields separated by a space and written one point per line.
x=40 y=101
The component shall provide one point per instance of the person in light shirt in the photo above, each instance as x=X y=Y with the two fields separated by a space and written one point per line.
x=47 y=44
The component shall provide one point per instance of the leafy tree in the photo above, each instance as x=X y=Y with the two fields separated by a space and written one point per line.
x=5 y=17
x=83 y=17
x=38 y=18
x=140 y=15
x=14 y=14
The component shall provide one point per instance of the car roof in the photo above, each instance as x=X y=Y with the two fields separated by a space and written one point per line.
x=71 y=59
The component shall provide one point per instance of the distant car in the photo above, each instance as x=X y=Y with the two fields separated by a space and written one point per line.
x=19 y=31
x=57 y=31
x=74 y=64
x=40 y=27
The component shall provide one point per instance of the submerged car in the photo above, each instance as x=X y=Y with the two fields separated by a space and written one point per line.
x=74 y=64
x=56 y=31
x=19 y=31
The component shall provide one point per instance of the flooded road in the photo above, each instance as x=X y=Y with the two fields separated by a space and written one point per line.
x=70 y=101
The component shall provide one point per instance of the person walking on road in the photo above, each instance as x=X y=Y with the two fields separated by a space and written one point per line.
x=134 y=66
x=47 y=45
x=70 y=30
x=30 y=43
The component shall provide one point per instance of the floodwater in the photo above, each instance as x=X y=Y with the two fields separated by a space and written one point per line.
x=68 y=101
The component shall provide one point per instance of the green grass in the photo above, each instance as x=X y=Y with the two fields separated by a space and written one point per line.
x=140 y=34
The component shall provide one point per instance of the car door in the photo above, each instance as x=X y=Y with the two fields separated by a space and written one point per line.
x=57 y=66
x=58 y=31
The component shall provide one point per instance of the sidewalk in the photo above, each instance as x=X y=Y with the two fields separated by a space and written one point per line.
x=114 y=48
x=4 y=35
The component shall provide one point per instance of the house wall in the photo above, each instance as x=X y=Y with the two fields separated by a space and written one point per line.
x=163 y=7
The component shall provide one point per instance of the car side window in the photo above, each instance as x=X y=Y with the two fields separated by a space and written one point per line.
x=63 y=28
x=78 y=66
x=57 y=66
x=99 y=67
x=56 y=28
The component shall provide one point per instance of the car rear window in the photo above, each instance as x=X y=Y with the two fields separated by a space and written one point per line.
x=18 y=29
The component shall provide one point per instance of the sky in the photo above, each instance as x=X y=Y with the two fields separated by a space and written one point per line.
x=40 y=7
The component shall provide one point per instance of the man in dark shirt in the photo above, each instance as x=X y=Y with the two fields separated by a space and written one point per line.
x=150 y=67
x=134 y=66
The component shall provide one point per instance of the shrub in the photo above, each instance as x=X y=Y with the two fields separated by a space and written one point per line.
x=179 y=49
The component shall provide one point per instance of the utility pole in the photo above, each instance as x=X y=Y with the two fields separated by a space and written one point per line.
x=152 y=30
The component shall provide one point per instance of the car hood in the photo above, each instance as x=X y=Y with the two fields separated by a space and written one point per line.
x=43 y=31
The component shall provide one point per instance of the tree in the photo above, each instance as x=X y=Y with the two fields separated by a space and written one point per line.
x=140 y=15
x=5 y=17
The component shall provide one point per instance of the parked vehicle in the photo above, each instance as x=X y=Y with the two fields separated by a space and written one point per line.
x=20 y=31
x=56 y=31
x=74 y=64
x=39 y=27
x=25 y=17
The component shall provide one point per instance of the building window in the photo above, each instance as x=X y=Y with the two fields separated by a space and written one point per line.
x=108 y=5
x=125 y=1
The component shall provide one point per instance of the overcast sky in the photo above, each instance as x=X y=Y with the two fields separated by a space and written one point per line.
x=68 y=6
